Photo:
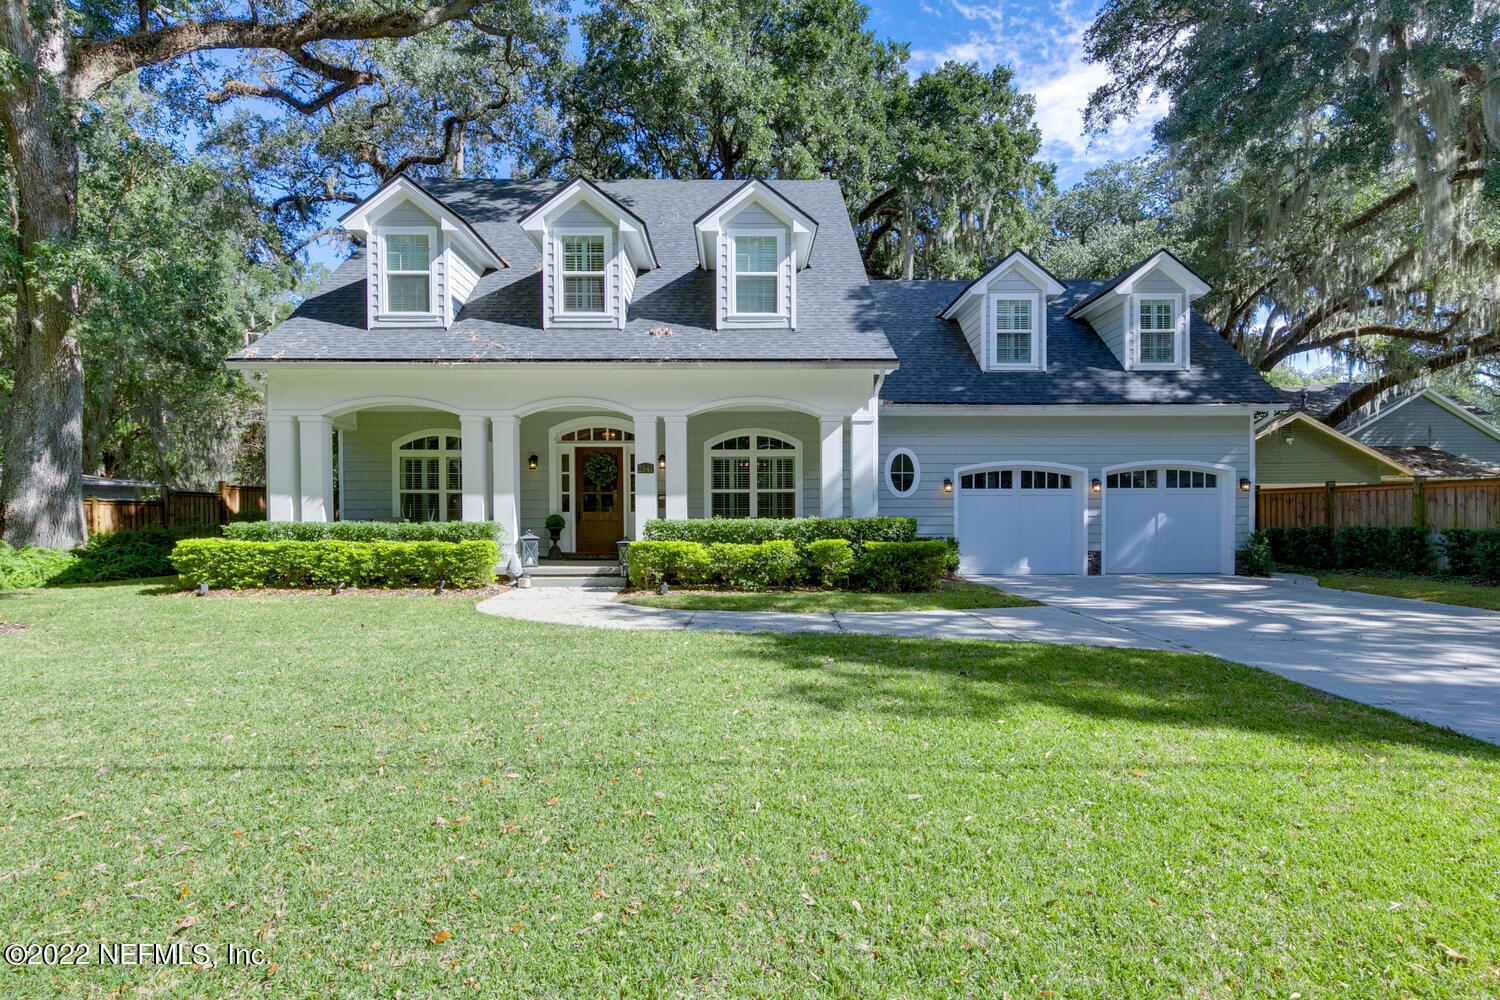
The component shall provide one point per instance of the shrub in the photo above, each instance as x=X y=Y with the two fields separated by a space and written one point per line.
x=754 y=567
x=365 y=531
x=1472 y=553
x=1405 y=550
x=950 y=566
x=32 y=566
x=888 y=567
x=831 y=559
x=653 y=563
x=123 y=555
x=1302 y=548
x=240 y=565
x=1255 y=557
x=799 y=530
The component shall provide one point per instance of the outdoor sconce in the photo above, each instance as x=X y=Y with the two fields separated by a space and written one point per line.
x=531 y=463
x=661 y=463
x=947 y=486
x=1244 y=485
x=1287 y=440
x=1094 y=486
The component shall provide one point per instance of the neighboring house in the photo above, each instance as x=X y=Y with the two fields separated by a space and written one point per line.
x=108 y=488
x=1295 y=449
x=619 y=351
x=1428 y=419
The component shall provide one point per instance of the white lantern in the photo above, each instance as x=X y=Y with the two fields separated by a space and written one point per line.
x=530 y=550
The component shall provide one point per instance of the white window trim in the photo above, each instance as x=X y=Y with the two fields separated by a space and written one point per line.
x=435 y=249
x=442 y=455
x=1179 y=331
x=1038 y=360
x=559 y=313
x=709 y=454
x=916 y=470
x=734 y=315
x=557 y=447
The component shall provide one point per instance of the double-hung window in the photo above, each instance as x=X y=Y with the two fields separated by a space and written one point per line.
x=408 y=272
x=583 y=273
x=1015 y=329
x=1158 y=332
x=755 y=275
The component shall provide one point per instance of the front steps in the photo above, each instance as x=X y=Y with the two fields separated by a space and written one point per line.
x=598 y=575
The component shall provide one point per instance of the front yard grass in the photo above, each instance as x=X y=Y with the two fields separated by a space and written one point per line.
x=395 y=793
x=956 y=595
x=1417 y=588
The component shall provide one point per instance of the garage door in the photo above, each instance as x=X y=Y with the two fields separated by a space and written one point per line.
x=1167 y=519
x=1019 y=519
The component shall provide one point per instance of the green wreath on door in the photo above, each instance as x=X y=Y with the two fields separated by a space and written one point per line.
x=601 y=471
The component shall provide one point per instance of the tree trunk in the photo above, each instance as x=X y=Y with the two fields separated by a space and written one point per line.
x=41 y=489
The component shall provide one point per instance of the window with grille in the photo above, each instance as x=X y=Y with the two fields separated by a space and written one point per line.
x=583 y=273
x=902 y=473
x=753 y=475
x=1158 y=332
x=408 y=273
x=1014 y=328
x=755 y=275
x=1023 y=479
x=1191 y=479
x=1135 y=479
x=429 y=477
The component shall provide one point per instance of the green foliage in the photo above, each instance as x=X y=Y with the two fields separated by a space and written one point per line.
x=1407 y=550
x=556 y=521
x=365 y=531
x=1255 y=557
x=653 y=563
x=801 y=530
x=754 y=567
x=32 y=566
x=1472 y=553
x=238 y=565
x=1302 y=548
x=950 y=565
x=895 y=567
x=123 y=555
x=831 y=559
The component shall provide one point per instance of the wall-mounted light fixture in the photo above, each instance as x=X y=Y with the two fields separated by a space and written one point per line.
x=1245 y=485
x=661 y=463
x=1288 y=439
x=947 y=486
x=531 y=463
x=1095 y=486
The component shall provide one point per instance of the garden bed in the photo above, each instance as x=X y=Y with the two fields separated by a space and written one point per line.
x=950 y=595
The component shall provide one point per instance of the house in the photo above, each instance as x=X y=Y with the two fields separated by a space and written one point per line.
x=617 y=351
x=1294 y=449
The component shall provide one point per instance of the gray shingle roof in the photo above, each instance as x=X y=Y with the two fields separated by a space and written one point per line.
x=938 y=367
x=1427 y=461
x=502 y=319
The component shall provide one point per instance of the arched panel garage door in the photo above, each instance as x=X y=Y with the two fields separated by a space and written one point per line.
x=1020 y=518
x=1168 y=518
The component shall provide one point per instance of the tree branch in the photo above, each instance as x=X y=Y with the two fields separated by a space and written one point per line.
x=1404 y=194
x=1489 y=344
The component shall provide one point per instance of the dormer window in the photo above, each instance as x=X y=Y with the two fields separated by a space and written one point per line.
x=583 y=274
x=756 y=278
x=1158 y=332
x=1015 y=327
x=1003 y=314
x=408 y=272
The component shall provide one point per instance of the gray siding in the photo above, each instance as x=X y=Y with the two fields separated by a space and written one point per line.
x=365 y=466
x=1110 y=326
x=1157 y=283
x=942 y=444
x=1423 y=422
x=406 y=214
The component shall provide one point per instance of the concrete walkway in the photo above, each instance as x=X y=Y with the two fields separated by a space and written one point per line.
x=599 y=609
x=1434 y=662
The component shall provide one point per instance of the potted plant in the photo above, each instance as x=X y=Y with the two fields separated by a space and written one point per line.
x=555 y=524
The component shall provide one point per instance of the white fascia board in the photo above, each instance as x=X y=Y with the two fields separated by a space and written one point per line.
x=357 y=219
x=486 y=368
x=1015 y=260
x=1175 y=269
x=633 y=235
x=803 y=227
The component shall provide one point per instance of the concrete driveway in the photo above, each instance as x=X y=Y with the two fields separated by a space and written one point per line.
x=1432 y=662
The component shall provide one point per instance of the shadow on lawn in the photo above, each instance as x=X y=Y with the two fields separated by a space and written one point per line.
x=985 y=680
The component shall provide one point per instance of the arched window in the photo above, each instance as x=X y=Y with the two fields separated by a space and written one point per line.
x=429 y=478
x=902 y=473
x=753 y=473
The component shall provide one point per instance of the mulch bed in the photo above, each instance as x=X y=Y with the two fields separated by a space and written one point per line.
x=473 y=594
x=6 y=627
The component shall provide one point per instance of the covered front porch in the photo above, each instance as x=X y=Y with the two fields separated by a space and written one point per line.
x=604 y=465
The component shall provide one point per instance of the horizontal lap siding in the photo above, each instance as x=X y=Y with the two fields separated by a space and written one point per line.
x=365 y=465
x=1423 y=422
x=942 y=444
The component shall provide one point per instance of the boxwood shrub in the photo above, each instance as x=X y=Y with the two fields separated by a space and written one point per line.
x=830 y=560
x=1472 y=553
x=240 y=565
x=365 y=531
x=655 y=563
x=889 y=567
x=754 y=567
x=1403 y=550
x=799 y=530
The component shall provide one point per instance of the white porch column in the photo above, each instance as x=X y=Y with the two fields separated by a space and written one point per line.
x=831 y=466
x=645 y=482
x=677 y=468
x=283 y=494
x=476 y=464
x=864 y=450
x=315 y=445
x=505 y=452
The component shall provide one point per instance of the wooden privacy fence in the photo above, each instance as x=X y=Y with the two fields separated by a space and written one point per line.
x=184 y=510
x=1422 y=503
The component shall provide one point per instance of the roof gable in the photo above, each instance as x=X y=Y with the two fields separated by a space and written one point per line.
x=1304 y=423
x=803 y=227
x=634 y=235
x=1432 y=396
x=360 y=219
x=1125 y=283
x=1016 y=260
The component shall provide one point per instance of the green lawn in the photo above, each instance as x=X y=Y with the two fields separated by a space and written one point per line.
x=950 y=595
x=397 y=793
x=1417 y=588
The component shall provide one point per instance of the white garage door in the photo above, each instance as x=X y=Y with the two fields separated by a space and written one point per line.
x=1019 y=519
x=1166 y=519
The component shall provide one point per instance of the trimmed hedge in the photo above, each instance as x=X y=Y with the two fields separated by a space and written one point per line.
x=831 y=560
x=889 y=567
x=755 y=567
x=364 y=531
x=240 y=565
x=1472 y=553
x=655 y=563
x=951 y=566
x=1403 y=550
x=799 y=530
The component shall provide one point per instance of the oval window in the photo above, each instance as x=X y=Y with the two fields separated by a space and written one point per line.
x=902 y=473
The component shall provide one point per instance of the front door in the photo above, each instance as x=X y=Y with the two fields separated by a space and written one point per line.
x=600 y=519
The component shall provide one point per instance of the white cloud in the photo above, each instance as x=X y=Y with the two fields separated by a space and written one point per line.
x=1045 y=49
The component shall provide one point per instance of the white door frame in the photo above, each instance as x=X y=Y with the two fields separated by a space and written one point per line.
x=1080 y=499
x=556 y=448
x=1226 y=504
